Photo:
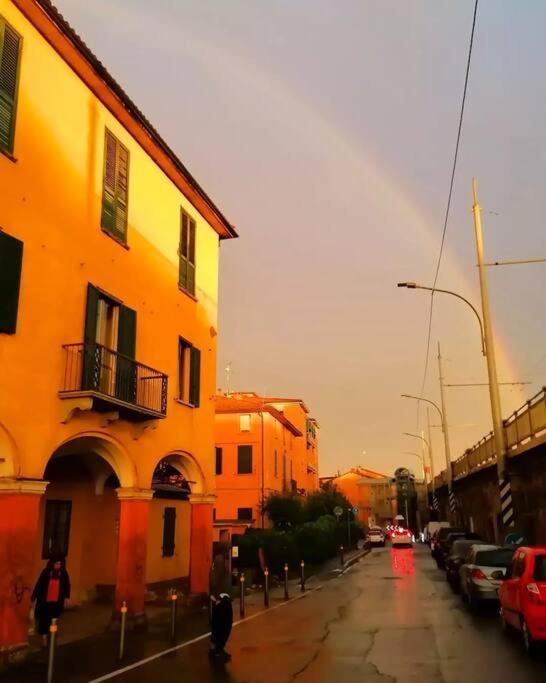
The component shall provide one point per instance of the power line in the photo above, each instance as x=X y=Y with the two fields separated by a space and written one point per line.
x=448 y=206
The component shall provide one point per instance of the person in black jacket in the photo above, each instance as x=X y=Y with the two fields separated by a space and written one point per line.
x=51 y=594
x=221 y=613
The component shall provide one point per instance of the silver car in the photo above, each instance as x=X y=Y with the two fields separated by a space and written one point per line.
x=475 y=574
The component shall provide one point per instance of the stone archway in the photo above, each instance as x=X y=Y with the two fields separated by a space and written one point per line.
x=8 y=454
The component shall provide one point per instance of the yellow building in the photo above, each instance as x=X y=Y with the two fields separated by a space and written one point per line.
x=108 y=314
x=264 y=445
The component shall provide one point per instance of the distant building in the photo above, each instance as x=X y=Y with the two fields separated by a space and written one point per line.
x=263 y=445
x=377 y=500
x=357 y=487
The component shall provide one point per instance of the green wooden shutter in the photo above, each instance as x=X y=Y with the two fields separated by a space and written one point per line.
x=122 y=190
x=10 y=50
x=183 y=251
x=169 y=531
x=11 y=261
x=126 y=373
x=109 y=183
x=195 y=376
x=191 y=258
x=115 y=188
x=91 y=353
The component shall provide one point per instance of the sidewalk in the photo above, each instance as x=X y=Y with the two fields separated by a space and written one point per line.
x=79 y=661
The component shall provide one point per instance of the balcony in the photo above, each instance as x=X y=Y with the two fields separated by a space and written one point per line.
x=114 y=382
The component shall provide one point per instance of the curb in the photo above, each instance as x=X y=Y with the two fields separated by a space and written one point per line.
x=355 y=559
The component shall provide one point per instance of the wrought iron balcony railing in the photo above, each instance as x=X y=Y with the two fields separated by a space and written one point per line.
x=114 y=381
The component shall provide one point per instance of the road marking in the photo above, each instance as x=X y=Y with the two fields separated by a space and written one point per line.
x=187 y=643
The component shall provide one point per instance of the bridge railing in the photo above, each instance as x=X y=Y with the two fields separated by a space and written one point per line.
x=524 y=425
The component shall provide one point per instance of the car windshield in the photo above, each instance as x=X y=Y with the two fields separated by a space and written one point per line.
x=494 y=558
x=540 y=568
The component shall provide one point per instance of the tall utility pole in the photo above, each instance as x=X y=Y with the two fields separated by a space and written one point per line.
x=444 y=419
x=451 y=495
x=494 y=394
x=430 y=454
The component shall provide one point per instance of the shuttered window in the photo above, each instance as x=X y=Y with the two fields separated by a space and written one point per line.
x=11 y=261
x=186 y=253
x=115 y=187
x=244 y=459
x=244 y=514
x=189 y=373
x=169 y=530
x=219 y=460
x=10 y=55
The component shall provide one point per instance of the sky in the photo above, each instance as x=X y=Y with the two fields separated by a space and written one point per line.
x=325 y=131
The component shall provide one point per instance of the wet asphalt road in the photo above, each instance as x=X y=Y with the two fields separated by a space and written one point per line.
x=392 y=617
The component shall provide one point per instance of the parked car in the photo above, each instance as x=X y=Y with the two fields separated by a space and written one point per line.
x=376 y=536
x=476 y=574
x=431 y=528
x=522 y=595
x=401 y=537
x=438 y=546
x=456 y=558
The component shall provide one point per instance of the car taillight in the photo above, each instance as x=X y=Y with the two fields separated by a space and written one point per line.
x=534 y=596
x=477 y=574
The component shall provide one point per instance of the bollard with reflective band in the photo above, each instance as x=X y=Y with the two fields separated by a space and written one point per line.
x=242 y=596
x=341 y=555
x=51 y=655
x=122 y=630
x=286 y=596
x=174 y=605
x=302 y=565
x=266 y=587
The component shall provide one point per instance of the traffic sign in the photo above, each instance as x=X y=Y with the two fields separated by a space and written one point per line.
x=338 y=511
x=355 y=511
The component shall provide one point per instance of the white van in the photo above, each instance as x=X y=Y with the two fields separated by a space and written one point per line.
x=432 y=527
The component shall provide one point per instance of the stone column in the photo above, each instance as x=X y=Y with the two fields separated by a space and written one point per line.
x=19 y=516
x=200 y=542
x=134 y=510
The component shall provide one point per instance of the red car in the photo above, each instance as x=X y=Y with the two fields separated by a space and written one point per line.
x=522 y=595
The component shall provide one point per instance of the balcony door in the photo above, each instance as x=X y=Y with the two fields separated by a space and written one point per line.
x=109 y=349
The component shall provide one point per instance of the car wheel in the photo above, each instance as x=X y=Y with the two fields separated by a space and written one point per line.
x=528 y=642
x=472 y=603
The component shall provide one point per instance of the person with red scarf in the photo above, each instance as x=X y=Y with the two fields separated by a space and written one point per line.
x=51 y=595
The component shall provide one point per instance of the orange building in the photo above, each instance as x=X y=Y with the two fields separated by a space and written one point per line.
x=356 y=486
x=263 y=445
x=108 y=314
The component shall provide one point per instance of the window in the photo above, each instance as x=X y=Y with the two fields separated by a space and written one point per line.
x=218 y=461
x=539 y=573
x=169 y=529
x=115 y=188
x=189 y=373
x=244 y=423
x=56 y=528
x=275 y=466
x=10 y=56
x=11 y=262
x=186 y=253
x=110 y=346
x=244 y=514
x=244 y=459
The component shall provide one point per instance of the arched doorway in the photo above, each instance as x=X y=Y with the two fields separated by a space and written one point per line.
x=177 y=485
x=80 y=513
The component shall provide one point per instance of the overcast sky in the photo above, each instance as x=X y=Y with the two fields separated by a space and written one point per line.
x=325 y=131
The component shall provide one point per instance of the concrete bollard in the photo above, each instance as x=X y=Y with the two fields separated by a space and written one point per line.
x=286 y=596
x=174 y=606
x=51 y=654
x=122 y=630
x=341 y=556
x=242 y=595
x=266 y=587
x=302 y=565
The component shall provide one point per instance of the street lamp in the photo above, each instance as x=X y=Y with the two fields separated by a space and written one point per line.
x=429 y=449
x=414 y=285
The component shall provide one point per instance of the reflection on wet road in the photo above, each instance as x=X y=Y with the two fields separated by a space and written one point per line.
x=391 y=618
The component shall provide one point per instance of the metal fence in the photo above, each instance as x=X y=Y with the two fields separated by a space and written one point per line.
x=524 y=426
